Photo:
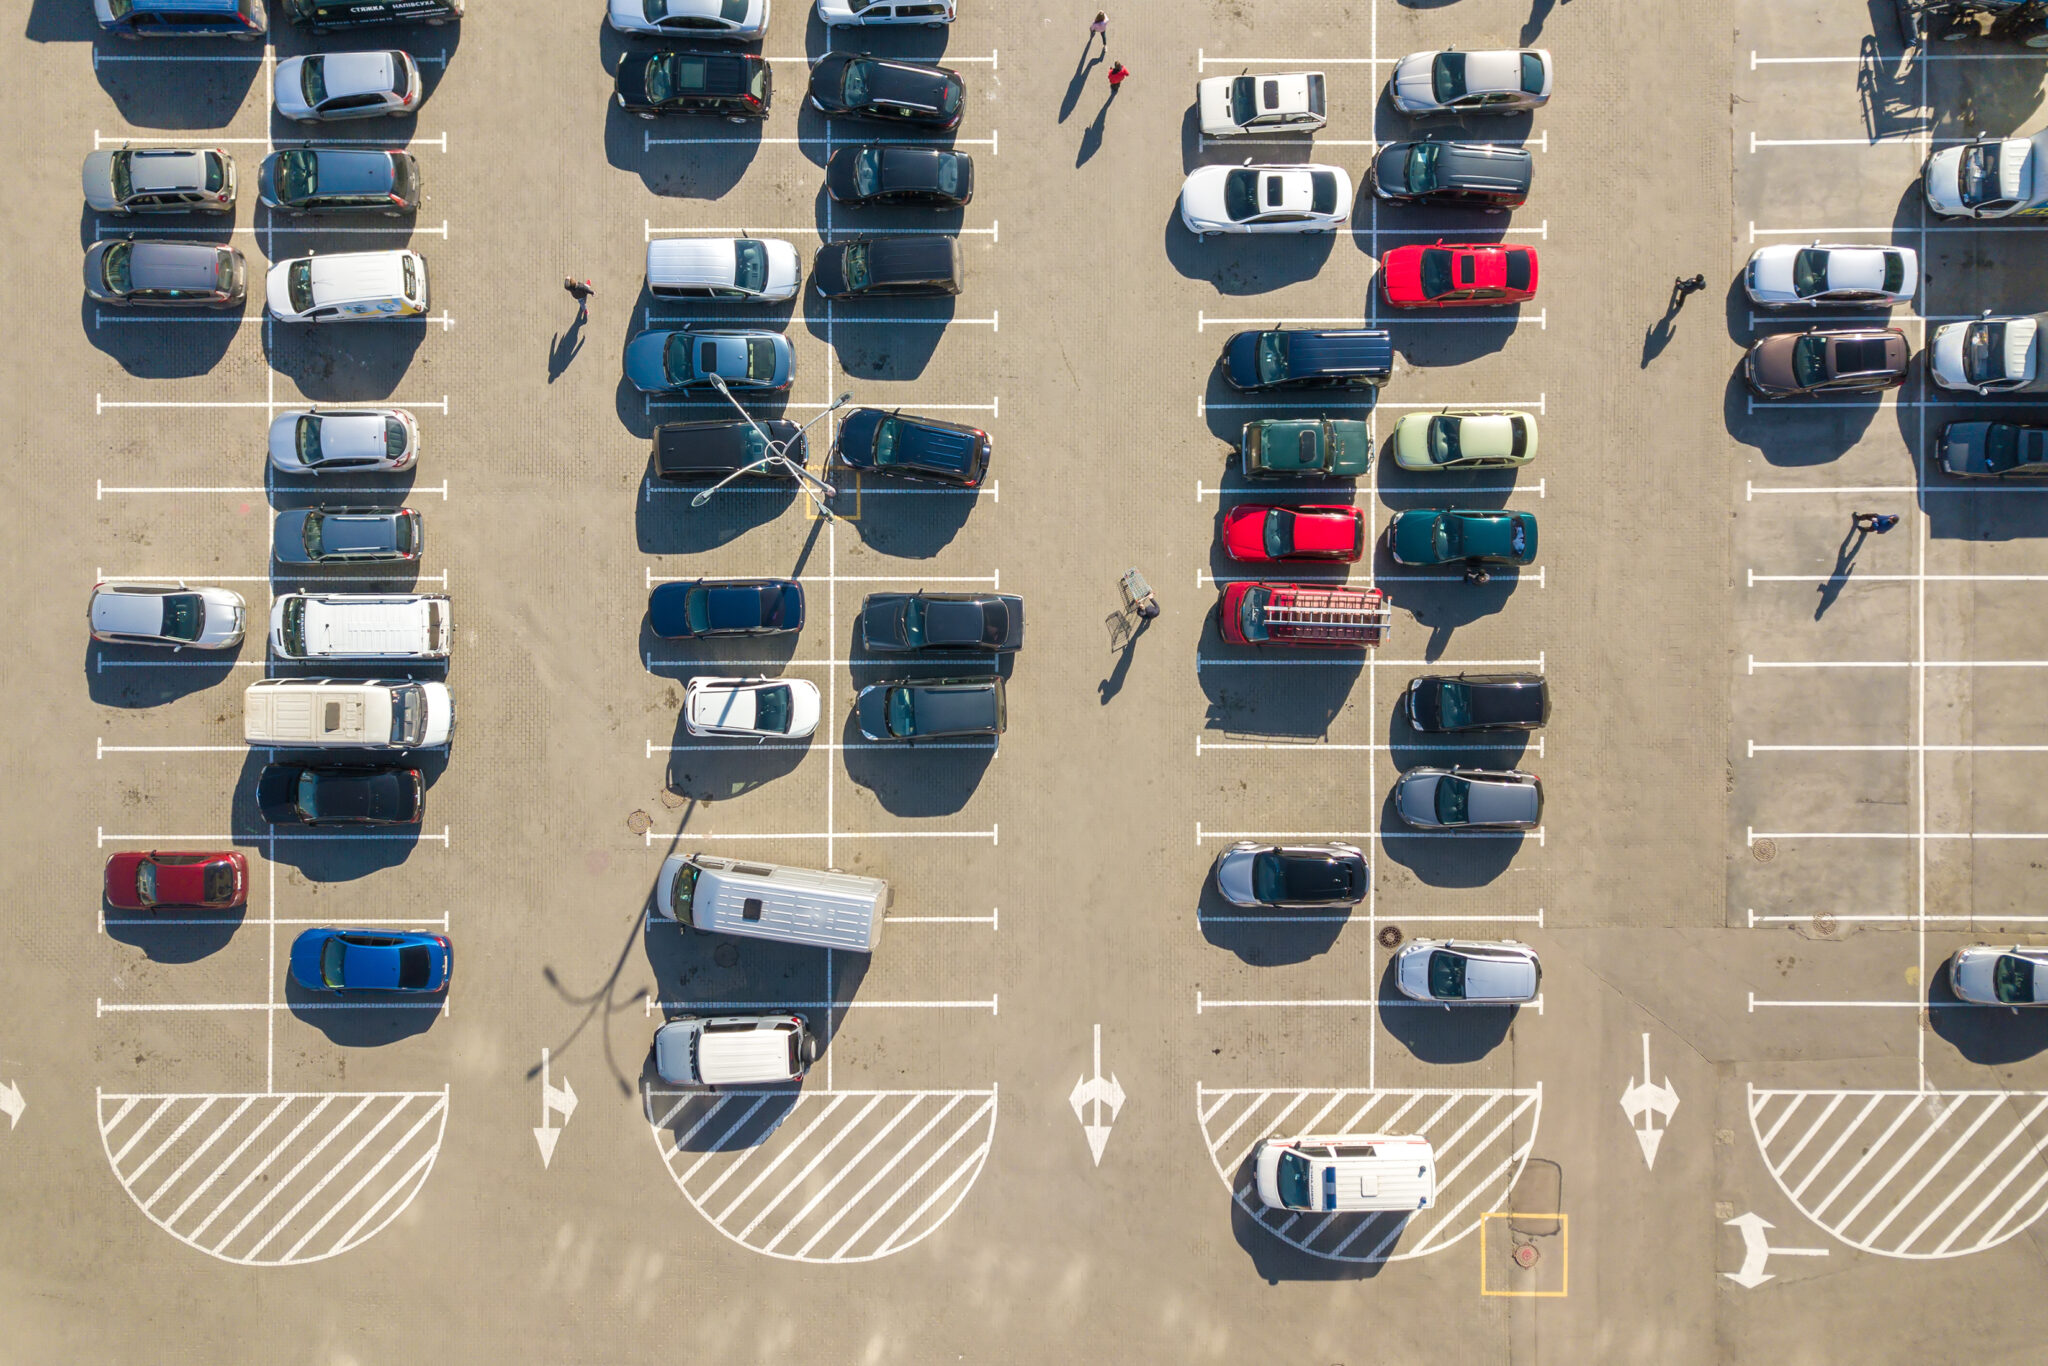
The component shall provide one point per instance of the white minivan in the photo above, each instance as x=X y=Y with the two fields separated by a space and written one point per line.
x=733 y=1050
x=348 y=286
x=364 y=627
x=754 y=270
x=347 y=713
x=930 y=13
x=1346 y=1173
x=821 y=910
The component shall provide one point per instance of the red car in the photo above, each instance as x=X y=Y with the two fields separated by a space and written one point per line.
x=1458 y=275
x=1321 y=531
x=145 y=882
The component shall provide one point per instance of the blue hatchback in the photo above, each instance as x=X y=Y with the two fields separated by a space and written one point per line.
x=664 y=362
x=370 y=960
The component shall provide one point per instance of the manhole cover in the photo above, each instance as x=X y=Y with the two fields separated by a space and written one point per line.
x=1525 y=1256
x=1390 y=936
x=725 y=955
x=1824 y=923
x=1763 y=851
x=639 y=822
x=672 y=799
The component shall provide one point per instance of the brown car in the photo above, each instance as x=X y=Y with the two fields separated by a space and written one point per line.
x=1823 y=360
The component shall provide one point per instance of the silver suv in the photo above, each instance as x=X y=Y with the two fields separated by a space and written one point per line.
x=159 y=180
x=128 y=270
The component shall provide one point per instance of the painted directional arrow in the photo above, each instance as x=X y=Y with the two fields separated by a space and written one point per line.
x=11 y=1104
x=1097 y=1091
x=553 y=1099
x=1756 y=1251
x=1645 y=1104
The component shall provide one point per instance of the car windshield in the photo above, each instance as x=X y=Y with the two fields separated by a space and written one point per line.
x=1809 y=361
x=145 y=886
x=853 y=262
x=733 y=11
x=313 y=80
x=1244 y=99
x=401 y=80
x=913 y=622
x=184 y=616
x=1984 y=352
x=697 y=609
x=298 y=281
x=2001 y=440
x=885 y=442
x=1422 y=159
x=292 y=629
x=311 y=535
x=1269 y=877
x=1447 y=76
x=2012 y=979
x=333 y=959
x=298 y=176
x=1279 y=533
x=124 y=179
x=220 y=882
x=394 y=437
x=1241 y=194
x=771 y=709
x=1251 y=613
x=309 y=794
x=1272 y=357
x=1447 y=976
x=1532 y=73
x=308 y=440
x=760 y=359
x=1809 y=272
x=403 y=184
x=949 y=173
x=854 y=89
x=114 y=265
x=1436 y=272
x=1454 y=706
x=1444 y=537
x=902 y=716
x=1293 y=1180
x=867 y=170
x=1978 y=173
x=216 y=172
x=675 y=356
x=1453 y=796
x=1443 y=440
x=408 y=715
x=681 y=890
x=223 y=271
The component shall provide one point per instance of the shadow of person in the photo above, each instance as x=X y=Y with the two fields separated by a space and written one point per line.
x=1114 y=684
x=565 y=346
x=1079 y=82
x=1659 y=334
x=1838 y=577
x=1539 y=10
x=1091 y=139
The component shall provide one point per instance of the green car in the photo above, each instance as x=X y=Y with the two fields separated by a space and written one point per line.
x=1429 y=536
x=1464 y=439
x=1313 y=445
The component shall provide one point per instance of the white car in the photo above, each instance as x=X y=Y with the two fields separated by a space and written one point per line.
x=1452 y=82
x=344 y=441
x=1785 y=275
x=930 y=13
x=1248 y=198
x=740 y=21
x=1498 y=972
x=1293 y=102
x=1987 y=355
x=1988 y=976
x=756 y=708
x=1989 y=177
x=348 y=286
x=330 y=86
x=173 y=615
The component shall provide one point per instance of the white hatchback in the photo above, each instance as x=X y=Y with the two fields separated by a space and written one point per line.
x=1786 y=275
x=1450 y=971
x=166 y=614
x=344 y=441
x=752 y=708
x=327 y=87
x=1452 y=82
x=1248 y=198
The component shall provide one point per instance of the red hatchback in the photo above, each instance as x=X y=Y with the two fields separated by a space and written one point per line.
x=1321 y=531
x=1458 y=275
x=145 y=882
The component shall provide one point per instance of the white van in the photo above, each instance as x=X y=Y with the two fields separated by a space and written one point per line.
x=360 y=626
x=733 y=1050
x=756 y=270
x=768 y=901
x=930 y=13
x=347 y=713
x=348 y=286
x=1347 y=1173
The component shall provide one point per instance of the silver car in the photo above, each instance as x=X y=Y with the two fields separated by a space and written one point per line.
x=1252 y=874
x=159 y=180
x=1451 y=82
x=160 y=614
x=1497 y=972
x=344 y=441
x=156 y=274
x=1987 y=976
x=331 y=86
x=738 y=21
x=1469 y=799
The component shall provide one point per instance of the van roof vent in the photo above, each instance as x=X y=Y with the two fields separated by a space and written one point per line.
x=751 y=910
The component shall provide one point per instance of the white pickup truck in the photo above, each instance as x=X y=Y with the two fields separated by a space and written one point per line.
x=1990 y=178
x=371 y=627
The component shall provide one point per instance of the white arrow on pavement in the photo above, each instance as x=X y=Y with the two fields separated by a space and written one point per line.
x=1097 y=1091
x=1646 y=1103
x=553 y=1099
x=11 y=1104
x=1756 y=1251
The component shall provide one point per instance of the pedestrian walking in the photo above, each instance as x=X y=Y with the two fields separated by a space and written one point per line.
x=580 y=291
x=1100 y=26
x=1477 y=574
x=1117 y=72
x=1879 y=522
x=1692 y=286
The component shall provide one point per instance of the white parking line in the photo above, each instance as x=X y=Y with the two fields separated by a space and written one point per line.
x=105 y=230
x=201 y=136
x=1902 y=917
x=1893 y=402
x=991 y=834
x=993 y=141
x=103 y=576
x=649 y=232
x=1997 y=487
x=218 y=922
x=1916 y=835
x=102 y=838
x=1342 y=917
x=101 y=404
x=1822 y=234
x=1756 y=749
x=1361 y=661
x=1515 y=319
x=190 y=1007
x=993 y=321
x=1860 y=59
x=1371 y=747
x=1755 y=663
x=1914 y=141
x=102 y=489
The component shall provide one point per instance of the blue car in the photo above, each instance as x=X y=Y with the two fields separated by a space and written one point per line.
x=746 y=359
x=725 y=607
x=370 y=960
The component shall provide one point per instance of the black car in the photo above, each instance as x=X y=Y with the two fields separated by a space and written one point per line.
x=311 y=179
x=1272 y=875
x=910 y=264
x=346 y=535
x=942 y=621
x=726 y=607
x=1294 y=358
x=334 y=794
x=1459 y=175
x=712 y=450
x=877 y=88
x=922 y=448
x=1441 y=704
x=931 y=708
x=880 y=173
x=737 y=85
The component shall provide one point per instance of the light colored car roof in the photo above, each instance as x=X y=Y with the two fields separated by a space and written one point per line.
x=126 y=610
x=730 y=703
x=357 y=73
x=1500 y=69
x=174 y=265
x=1488 y=436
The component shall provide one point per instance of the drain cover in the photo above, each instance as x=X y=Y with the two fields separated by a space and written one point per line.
x=725 y=955
x=672 y=799
x=639 y=822
x=1763 y=851
x=1390 y=936
x=1525 y=1256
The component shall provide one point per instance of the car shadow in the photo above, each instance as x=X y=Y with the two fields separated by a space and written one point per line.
x=718 y=769
x=169 y=343
x=1984 y=1035
x=1276 y=1260
x=885 y=338
x=175 y=936
x=1226 y=410
x=1445 y=337
x=138 y=676
x=681 y=156
x=340 y=853
x=1446 y=858
x=177 y=95
x=1441 y=606
x=1441 y=1034
x=1409 y=747
x=345 y=363
x=1266 y=938
x=936 y=778
x=1988 y=97
x=363 y=1019
x=664 y=523
x=61 y=21
x=1243 y=701
x=907 y=520
x=1965 y=518
x=1790 y=433
x=1247 y=264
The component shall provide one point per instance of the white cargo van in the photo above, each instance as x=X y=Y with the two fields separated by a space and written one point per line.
x=360 y=626
x=768 y=901
x=347 y=713
x=733 y=1050
x=1347 y=1173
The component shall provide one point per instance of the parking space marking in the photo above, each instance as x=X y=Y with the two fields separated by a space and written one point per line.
x=102 y=404
x=104 y=230
x=649 y=232
x=103 y=838
x=200 y=1123
x=1753 y=489
x=1756 y=749
x=1202 y=662
x=1919 y=835
x=440 y=143
x=1998 y=226
x=101 y=490
x=1916 y=141
x=1345 y=917
x=1203 y=321
x=1318 y=746
x=992 y=141
x=1959 y=918
x=1861 y=59
x=1755 y=578
x=1919 y=664
x=105 y=1007
x=993 y=321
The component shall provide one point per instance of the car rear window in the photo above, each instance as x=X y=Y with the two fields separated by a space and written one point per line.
x=401 y=79
x=415 y=966
x=1894 y=272
x=1532 y=73
x=1518 y=269
x=956 y=90
x=1323 y=192
x=733 y=11
x=394 y=437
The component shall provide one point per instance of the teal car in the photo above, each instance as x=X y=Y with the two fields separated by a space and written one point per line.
x=1429 y=536
x=1306 y=446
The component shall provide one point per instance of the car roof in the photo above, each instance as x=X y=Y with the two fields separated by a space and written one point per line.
x=955 y=706
x=1484 y=165
x=346 y=276
x=174 y=265
x=911 y=257
x=122 y=610
x=349 y=73
x=157 y=169
x=895 y=82
x=1500 y=69
x=349 y=170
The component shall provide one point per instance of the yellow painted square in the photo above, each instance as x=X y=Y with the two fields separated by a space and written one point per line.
x=1564 y=1252
x=811 y=507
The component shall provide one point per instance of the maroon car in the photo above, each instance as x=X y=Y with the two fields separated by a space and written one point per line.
x=148 y=882
x=1828 y=360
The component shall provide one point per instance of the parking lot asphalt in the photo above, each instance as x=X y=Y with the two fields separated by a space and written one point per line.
x=1788 y=771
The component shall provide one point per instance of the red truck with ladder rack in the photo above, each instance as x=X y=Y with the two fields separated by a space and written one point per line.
x=1321 y=616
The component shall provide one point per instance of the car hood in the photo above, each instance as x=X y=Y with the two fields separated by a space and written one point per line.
x=1971 y=975
x=674 y=1043
x=1212 y=103
x=630 y=80
x=1401 y=272
x=1411 y=534
x=1944 y=180
x=1234 y=876
x=1244 y=531
x=96 y=178
x=1241 y=359
x=1201 y=195
x=1770 y=361
x=306 y=958
x=120 y=880
x=1411 y=971
x=828 y=75
x=1773 y=269
x=871 y=711
x=1415 y=797
x=1499 y=803
x=644 y=365
x=881 y=620
x=1945 y=353
x=828 y=268
x=1412 y=83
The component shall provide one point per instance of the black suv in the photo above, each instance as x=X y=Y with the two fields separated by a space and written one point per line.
x=712 y=450
x=887 y=265
x=1292 y=358
x=921 y=448
x=1440 y=704
x=1458 y=175
x=882 y=173
x=876 y=88
x=737 y=85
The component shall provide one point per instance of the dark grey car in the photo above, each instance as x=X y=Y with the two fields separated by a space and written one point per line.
x=310 y=179
x=347 y=535
x=159 y=180
x=931 y=708
x=1993 y=450
x=912 y=264
x=1439 y=704
x=1469 y=799
x=1474 y=175
x=156 y=274
x=895 y=622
